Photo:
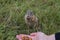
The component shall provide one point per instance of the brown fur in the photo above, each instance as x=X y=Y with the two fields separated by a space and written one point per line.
x=31 y=19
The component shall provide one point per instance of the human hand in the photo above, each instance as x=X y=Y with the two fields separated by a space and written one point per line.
x=32 y=36
x=39 y=36
x=23 y=37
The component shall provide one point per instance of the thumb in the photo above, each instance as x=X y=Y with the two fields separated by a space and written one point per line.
x=33 y=34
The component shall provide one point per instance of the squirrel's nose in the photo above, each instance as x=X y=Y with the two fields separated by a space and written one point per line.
x=28 y=18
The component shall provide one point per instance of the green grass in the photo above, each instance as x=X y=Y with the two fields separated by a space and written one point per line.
x=12 y=16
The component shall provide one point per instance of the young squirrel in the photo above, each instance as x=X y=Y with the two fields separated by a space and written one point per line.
x=31 y=20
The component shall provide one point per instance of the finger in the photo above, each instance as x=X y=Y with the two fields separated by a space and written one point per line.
x=20 y=36
x=33 y=34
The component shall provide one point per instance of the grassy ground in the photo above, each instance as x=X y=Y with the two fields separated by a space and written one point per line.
x=12 y=16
